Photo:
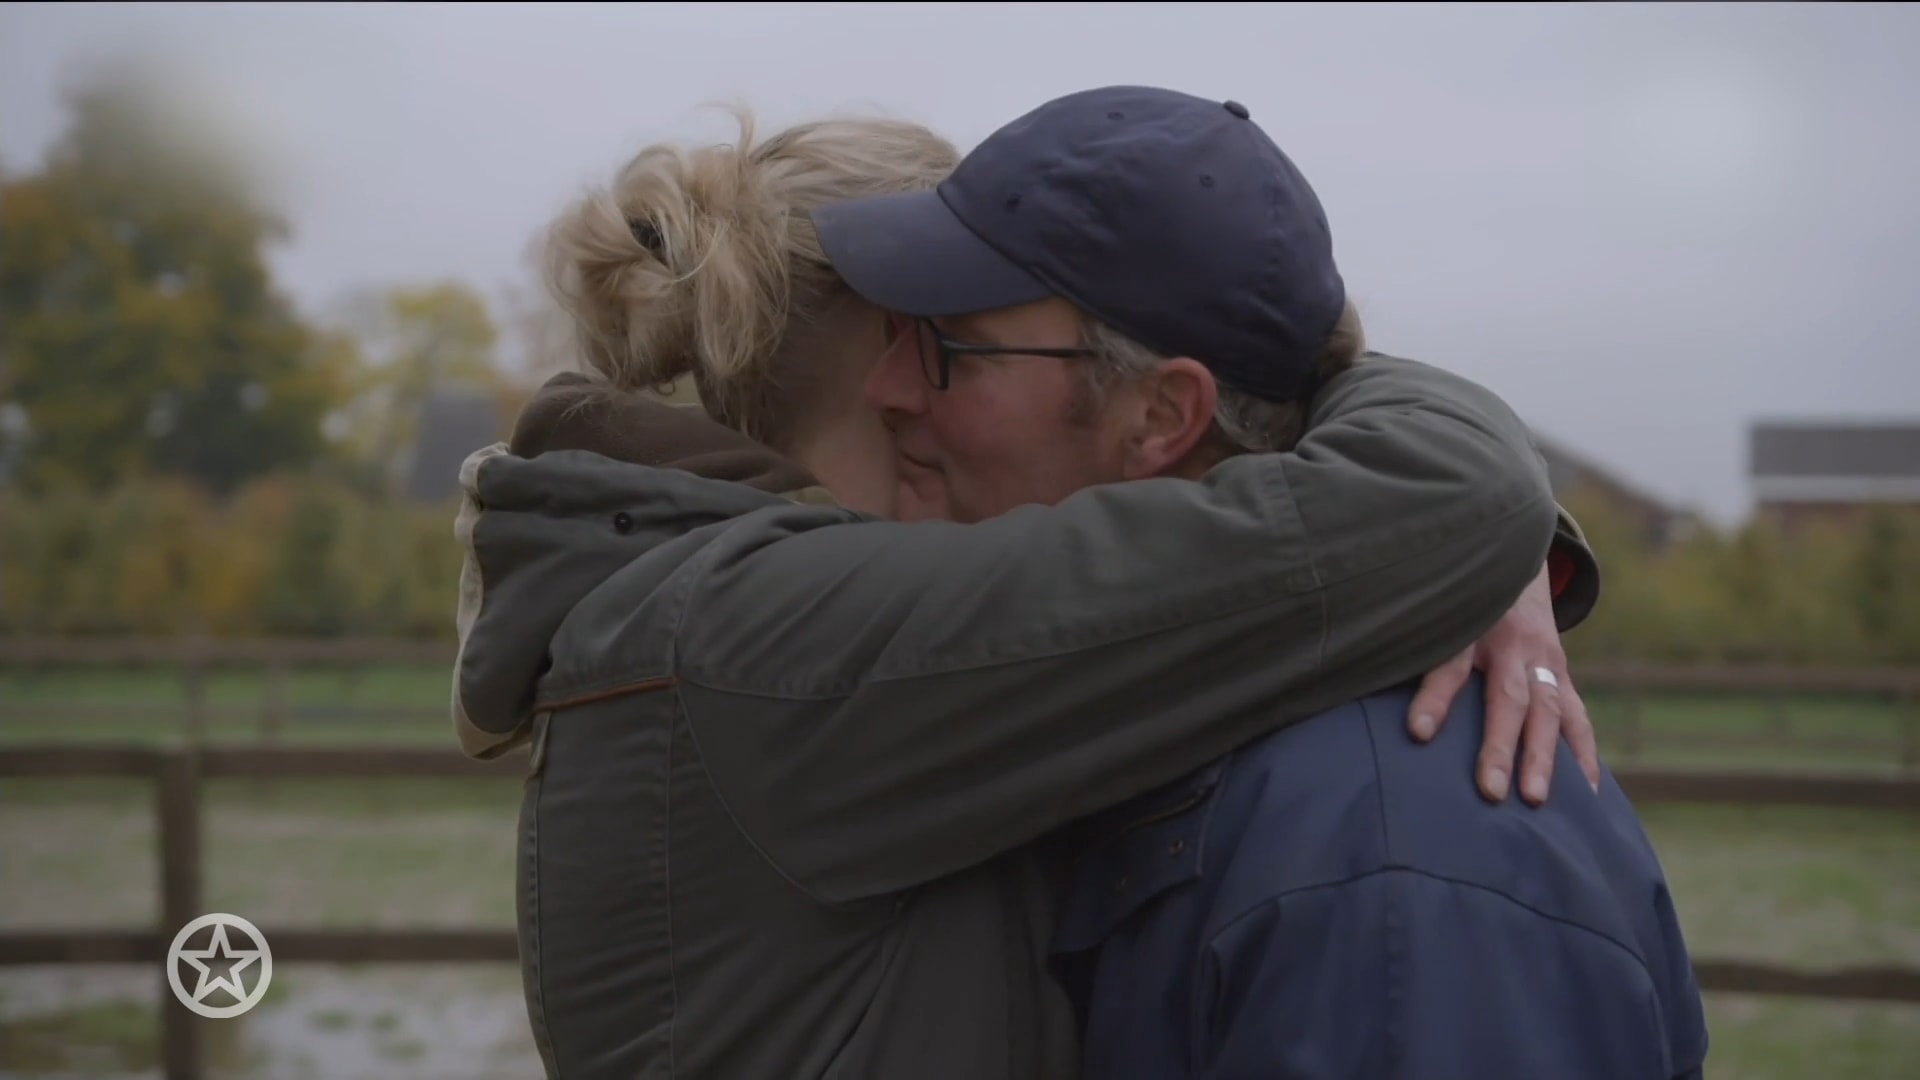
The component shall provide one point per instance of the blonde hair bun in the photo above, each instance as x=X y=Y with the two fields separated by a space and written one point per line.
x=697 y=259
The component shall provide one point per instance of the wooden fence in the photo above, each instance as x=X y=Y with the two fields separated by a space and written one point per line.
x=177 y=775
x=1628 y=733
x=197 y=659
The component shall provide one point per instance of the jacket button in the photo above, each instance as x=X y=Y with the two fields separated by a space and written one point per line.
x=623 y=523
x=1178 y=846
x=1120 y=886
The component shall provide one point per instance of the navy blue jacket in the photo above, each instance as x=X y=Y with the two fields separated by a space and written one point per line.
x=1337 y=901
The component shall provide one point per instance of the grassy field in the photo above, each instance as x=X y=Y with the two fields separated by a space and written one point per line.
x=319 y=706
x=1814 y=888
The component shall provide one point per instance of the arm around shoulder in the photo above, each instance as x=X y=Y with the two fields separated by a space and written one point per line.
x=883 y=703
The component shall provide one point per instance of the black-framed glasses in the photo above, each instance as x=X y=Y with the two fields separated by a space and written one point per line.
x=937 y=352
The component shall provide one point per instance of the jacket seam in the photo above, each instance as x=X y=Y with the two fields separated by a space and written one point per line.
x=666 y=864
x=543 y=1034
x=1392 y=948
x=1397 y=868
x=720 y=796
x=689 y=575
x=1379 y=787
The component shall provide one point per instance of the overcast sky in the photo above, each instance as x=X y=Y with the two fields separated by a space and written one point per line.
x=1645 y=225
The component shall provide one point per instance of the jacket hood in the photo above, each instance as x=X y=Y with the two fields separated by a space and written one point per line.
x=541 y=526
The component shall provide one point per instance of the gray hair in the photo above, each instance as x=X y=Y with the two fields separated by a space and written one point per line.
x=1242 y=423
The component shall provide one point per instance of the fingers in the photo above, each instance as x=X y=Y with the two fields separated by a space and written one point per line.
x=1436 y=694
x=1542 y=741
x=1508 y=696
x=1577 y=729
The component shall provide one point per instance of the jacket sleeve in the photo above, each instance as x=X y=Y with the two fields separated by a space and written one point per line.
x=882 y=703
x=1575 y=574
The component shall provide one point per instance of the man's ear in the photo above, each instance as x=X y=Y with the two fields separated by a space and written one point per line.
x=1172 y=413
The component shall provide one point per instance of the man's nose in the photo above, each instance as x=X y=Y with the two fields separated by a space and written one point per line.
x=896 y=384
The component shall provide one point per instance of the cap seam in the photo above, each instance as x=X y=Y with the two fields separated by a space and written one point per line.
x=977 y=235
x=1048 y=279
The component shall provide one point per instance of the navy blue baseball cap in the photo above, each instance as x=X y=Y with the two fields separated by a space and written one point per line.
x=1170 y=217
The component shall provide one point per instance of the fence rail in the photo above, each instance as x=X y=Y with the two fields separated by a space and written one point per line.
x=1629 y=734
x=178 y=773
x=219 y=652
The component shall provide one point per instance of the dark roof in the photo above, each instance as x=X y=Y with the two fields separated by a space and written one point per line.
x=1568 y=470
x=1866 y=449
x=453 y=424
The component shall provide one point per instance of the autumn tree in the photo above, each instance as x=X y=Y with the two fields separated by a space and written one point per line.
x=412 y=340
x=142 y=330
x=1880 y=583
x=541 y=332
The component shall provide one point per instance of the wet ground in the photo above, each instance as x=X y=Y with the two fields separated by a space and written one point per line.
x=314 y=1024
x=311 y=855
x=1788 y=886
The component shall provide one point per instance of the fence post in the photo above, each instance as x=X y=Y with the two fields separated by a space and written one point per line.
x=1633 y=744
x=274 y=715
x=1906 y=709
x=182 y=1050
x=193 y=675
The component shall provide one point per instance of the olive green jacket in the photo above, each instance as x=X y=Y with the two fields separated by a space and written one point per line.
x=789 y=763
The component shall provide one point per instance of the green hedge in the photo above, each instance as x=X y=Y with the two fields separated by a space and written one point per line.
x=301 y=557
x=1841 y=595
x=283 y=557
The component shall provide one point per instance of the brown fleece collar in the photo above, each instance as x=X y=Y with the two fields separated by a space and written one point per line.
x=576 y=412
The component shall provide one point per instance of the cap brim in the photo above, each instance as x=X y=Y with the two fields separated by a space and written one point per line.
x=911 y=254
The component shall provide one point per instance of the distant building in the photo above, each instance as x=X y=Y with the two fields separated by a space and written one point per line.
x=1806 y=471
x=1572 y=475
x=456 y=421
x=453 y=424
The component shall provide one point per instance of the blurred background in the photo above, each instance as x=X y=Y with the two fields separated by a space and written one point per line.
x=267 y=274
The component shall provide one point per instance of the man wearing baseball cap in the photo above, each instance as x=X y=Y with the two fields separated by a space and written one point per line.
x=1132 y=283
x=1170 y=218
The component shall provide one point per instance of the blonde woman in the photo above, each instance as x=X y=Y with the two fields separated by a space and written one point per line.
x=796 y=769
